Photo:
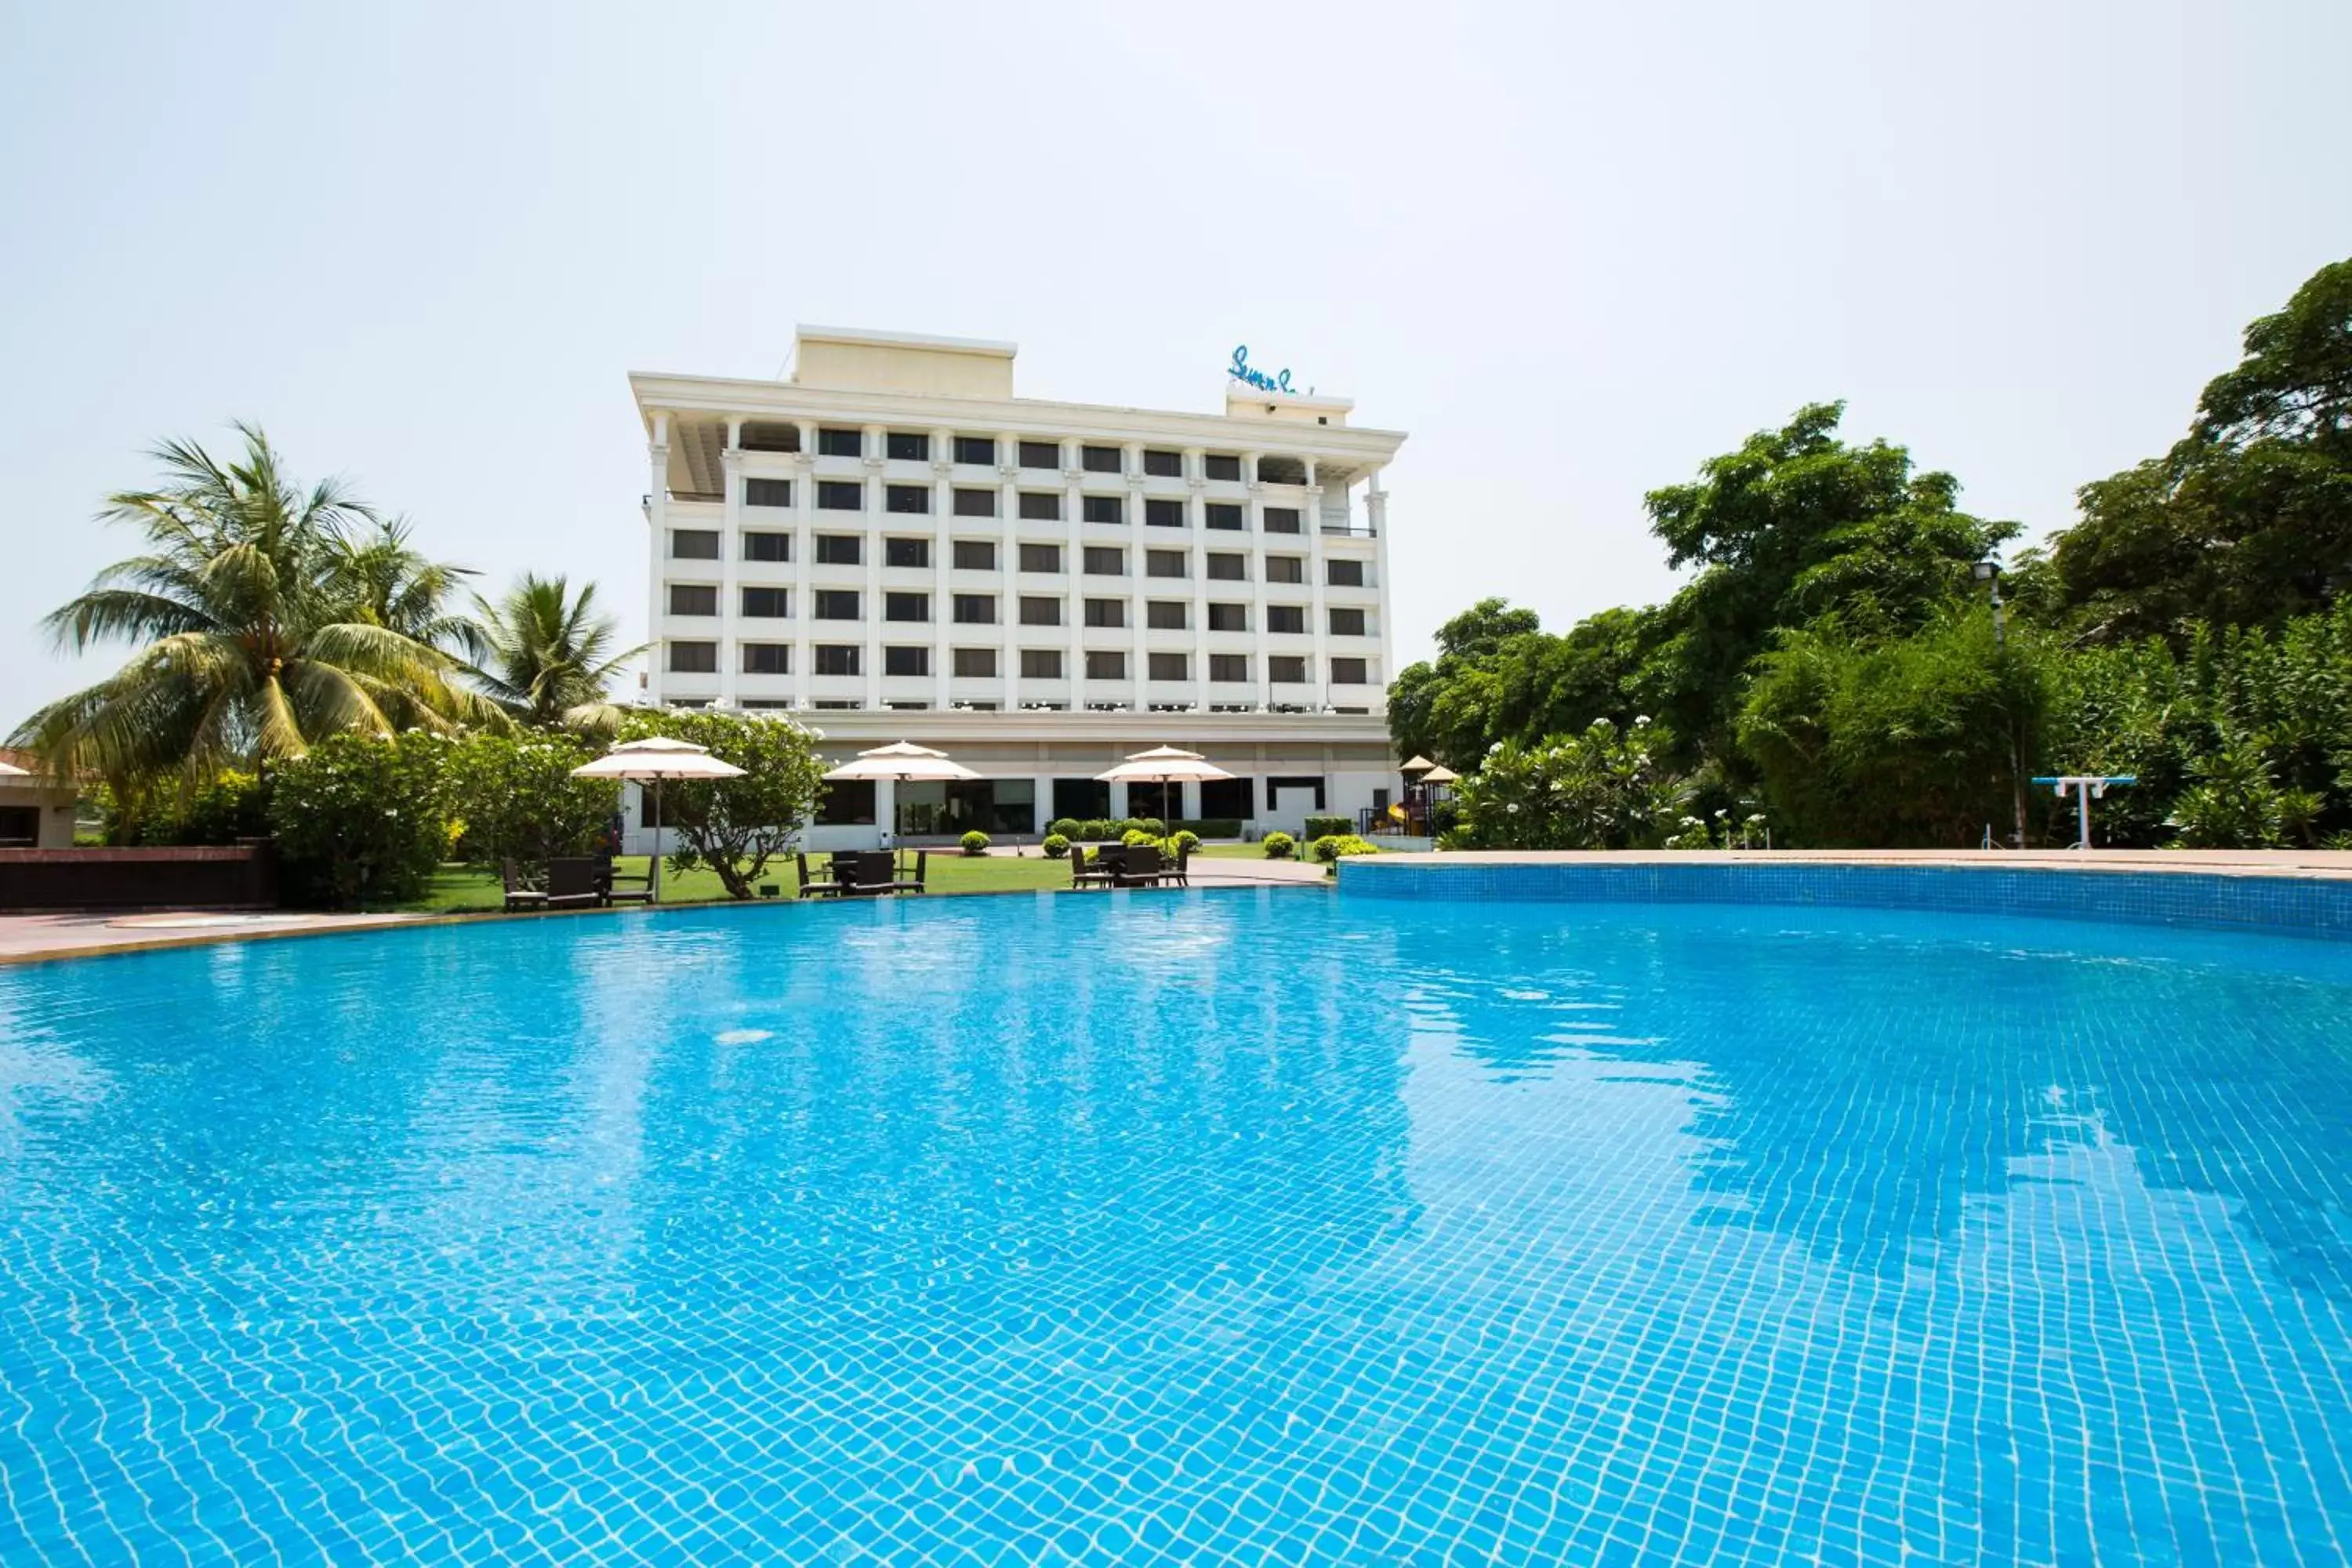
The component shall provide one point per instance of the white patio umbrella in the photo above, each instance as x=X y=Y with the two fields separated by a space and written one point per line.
x=901 y=761
x=1164 y=765
x=11 y=771
x=650 y=761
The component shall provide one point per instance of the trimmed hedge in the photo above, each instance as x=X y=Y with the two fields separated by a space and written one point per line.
x=974 y=842
x=1055 y=845
x=1278 y=846
x=1328 y=827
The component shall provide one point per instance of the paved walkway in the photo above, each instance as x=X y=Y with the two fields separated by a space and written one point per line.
x=27 y=938
x=2327 y=864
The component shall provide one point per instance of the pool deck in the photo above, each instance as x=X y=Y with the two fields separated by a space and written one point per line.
x=2328 y=865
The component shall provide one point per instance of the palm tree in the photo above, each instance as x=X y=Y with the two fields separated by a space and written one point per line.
x=389 y=582
x=254 y=646
x=546 y=655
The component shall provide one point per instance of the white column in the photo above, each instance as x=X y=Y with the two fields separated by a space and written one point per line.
x=1376 y=517
x=803 y=551
x=1311 y=519
x=1254 y=524
x=1074 y=561
x=1196 y=541
x=871 y=445
x=1041 y=785
x=942 y=554
x=1133 y=541
x=1119 y=807
x=657 y=564
x=731 y=550
x=1008 y=566
x=886 y=808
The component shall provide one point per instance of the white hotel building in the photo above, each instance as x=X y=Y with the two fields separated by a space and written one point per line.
x=891 y=546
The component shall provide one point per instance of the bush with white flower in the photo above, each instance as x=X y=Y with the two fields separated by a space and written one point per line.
x=1602 y=789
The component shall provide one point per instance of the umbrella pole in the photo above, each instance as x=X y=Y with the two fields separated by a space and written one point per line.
x=657 y=877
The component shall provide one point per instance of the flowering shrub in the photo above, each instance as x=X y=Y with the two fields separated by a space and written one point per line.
x=1603 y=789
x=1279 y=845
x=1332 y=847
x=361 y=820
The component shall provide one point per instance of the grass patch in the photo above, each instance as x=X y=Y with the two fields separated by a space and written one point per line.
x=463 y=889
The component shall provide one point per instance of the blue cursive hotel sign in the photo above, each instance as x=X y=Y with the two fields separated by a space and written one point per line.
x=1240 y=370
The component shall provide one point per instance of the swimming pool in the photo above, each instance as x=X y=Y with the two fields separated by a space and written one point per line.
x=1222 y=1226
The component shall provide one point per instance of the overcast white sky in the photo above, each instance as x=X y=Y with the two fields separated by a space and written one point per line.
x=1572 y=249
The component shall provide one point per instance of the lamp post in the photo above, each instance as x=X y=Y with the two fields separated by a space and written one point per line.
x=1989 y=573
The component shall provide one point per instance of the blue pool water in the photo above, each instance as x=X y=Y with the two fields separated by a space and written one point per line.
x=1222 y=1227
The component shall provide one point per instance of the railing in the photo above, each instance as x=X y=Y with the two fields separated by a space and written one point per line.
x=1351 y=531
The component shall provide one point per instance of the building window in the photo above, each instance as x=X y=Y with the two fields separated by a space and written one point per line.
x=975 y=609
x=765 y=546
x=1103 y=509
x=836 y=604
x=977 y=451
x=1282 y=520
x=766 y=702
x=1041 y=506
x=840 y=495
x=848 y=803
x=1227 y=798
x=1348 y=672
x=1225 y=515
x=1159 y=513
x=907 y=659
x=975 y=555
x=1342 y=574
x=1348 y=623
x=908 y=552
x=1041 y=664
x=1106 y=612
x=1099 y=460
x=1169 y=667
x=1224 y=465
x=1106 y=560
x=840 y=443
x=841 y=705
x=1106 y=664
x=1040 y=453
x=906 y=606
x=1229 y=618
x=1287 y=619
x=767 y=492
x=1225 y=567
x=694 y=658
x=1286 y=569
x=1163 y=563
x=975 y=503
x=836 y=657
x=693 y=545
x=975 y=663
x=1164 y=615
x=1165 y=465
x=1041 y=558
x=839 y=549
x=1038 y=612
x=1286 y=668
x=907 y=447
x=693 y=599
x=1229 y=669
x=767 y=604
x=767 y=659
x=907 y=500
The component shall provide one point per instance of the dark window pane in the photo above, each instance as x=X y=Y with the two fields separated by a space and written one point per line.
x=693 y=599
x=975 y=555
x=907 y=447
x=767 y=492
x=838 y=658
x=1285 y=618
x=694 y=657
x=1040 y=453
x=1106 y=611
x=1104 y=509
x=1286 y=668
x=914 y=552
x=1285 y=569
x=1038 y=612
x=906 y=606
x=905 y=659
x=978 y=662
x=836 y=603
x=767 y=659
x=1164 y=615
x=975 y=609
x=840 y=443
x=1166 y=465
x=1159 y=513
x=846 y=803
x=1169 y=667
x=1345 y=574
x=1226 y=568
x=1041 y=558
x=1223 y=514
x=1041 y=664
x=1282 y=520
x=1229 y=618
x=767 y=604
x=693 y=545
x=906 y=498
x=1347 y=623
x=840 y=495
x=1231 y=669
x=1219 y=467
x=975 y=503
x=766 y=546
x=1099 y=460
x=1106 y=665
x=979 y=449
x=1163 y=563
x=839 y=548
x=1041 y=506
x=1106 y=560
x=1347 y=672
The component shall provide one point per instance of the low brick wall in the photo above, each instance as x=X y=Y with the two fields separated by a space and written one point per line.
x=205 y=877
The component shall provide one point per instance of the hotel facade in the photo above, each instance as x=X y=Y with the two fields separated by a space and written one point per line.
x=890 y=545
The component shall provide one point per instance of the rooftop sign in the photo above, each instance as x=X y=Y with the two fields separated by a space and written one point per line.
x=1240 y=370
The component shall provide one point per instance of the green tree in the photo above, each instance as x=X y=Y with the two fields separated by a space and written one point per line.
x=253 y=648
x=736 y=826
x=1603 y=788
x=362 y=820
x=2248 y=519
x=546 y=655
x=516 y=799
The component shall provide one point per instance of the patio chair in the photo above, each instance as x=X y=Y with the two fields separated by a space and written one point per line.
x=1139 y=867
x=899 y=884
x=817 y=887
x=623 y=890
x=1097 y=873
x=870 y=873
x=574 y=882
x=520 y=894
x=1180 y=871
